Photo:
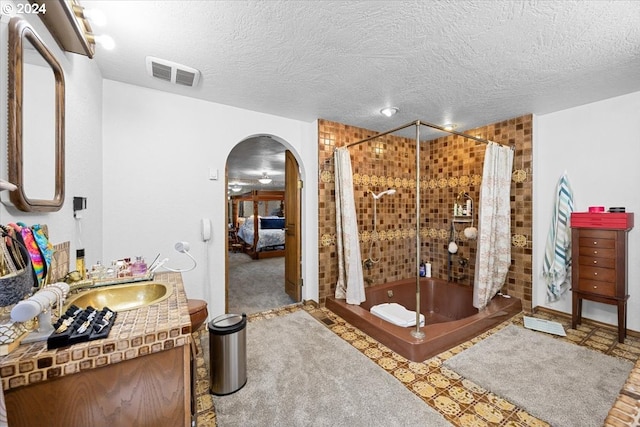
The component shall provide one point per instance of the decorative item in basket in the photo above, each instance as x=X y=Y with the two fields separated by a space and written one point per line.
x=38 y=246
x=17 y=277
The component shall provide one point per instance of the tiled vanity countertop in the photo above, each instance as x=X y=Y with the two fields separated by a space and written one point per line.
x=135 y=333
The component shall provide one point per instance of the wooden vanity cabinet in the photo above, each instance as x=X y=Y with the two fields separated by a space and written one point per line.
x=599 y=271
x=147 y=391
x=140 y=375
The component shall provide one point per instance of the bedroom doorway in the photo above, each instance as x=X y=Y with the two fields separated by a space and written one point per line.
x=293 y=246
x=263 y=205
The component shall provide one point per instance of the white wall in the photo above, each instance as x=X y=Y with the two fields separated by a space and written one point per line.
x=598 y=145
x=147 y=186
x=83 y=146
x=157 y=152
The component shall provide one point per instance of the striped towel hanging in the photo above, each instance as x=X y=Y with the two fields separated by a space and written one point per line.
x=556 y=269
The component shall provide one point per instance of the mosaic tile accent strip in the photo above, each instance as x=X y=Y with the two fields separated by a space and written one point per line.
x=517 y=240
x=519 y=175
x=462 y=402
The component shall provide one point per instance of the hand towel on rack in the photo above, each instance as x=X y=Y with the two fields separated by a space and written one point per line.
x=556 y=268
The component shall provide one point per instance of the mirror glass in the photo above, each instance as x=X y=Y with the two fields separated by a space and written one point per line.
x=36 y=122
x=38 y=140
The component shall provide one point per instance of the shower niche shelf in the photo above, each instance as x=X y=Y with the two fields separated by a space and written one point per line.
x=462 y=219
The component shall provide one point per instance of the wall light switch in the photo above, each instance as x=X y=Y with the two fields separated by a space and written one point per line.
x=213 y=174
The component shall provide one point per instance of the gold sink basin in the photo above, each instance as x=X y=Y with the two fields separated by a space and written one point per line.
x=124 y=297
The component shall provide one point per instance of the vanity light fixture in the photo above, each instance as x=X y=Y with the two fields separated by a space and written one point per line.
x=103 y=40
x=389 y=111
x=236 y=188
x=94 y=16
x=449 y=126
x=265 y=179
x=70 y=25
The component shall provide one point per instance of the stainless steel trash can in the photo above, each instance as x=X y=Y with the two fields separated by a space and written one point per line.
x=227 y=353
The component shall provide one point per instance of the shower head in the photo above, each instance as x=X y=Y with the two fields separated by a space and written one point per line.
x=378 y=196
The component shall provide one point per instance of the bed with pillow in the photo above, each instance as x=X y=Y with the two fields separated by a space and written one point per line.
x=270 y=234
x=260 y=221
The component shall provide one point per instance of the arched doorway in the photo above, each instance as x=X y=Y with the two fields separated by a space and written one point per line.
x=263 y=211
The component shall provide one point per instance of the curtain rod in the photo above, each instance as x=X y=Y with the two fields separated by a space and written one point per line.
x=414 y=123
x=431 y=125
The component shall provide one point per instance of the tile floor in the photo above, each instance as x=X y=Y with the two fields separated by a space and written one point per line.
x=460 y=401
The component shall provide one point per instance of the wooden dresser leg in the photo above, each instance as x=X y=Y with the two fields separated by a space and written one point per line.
x=622 y=320
x=576 y=312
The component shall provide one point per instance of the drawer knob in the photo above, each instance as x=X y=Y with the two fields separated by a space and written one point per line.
x=595 y=274
x=595 y=243
x=595 y=262
x=595 y=287
x=595 y=252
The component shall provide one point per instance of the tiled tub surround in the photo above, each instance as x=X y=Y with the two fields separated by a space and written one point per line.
x=449 y=165
x=135 y=333
x=450 y=317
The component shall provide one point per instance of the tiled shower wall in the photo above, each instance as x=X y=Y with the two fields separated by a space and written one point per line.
x=449 y=167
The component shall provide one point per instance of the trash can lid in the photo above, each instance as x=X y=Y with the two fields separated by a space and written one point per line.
x=227 y=323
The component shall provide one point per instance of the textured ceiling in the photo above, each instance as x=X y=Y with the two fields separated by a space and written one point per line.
x=253 y=157
x=467 y=62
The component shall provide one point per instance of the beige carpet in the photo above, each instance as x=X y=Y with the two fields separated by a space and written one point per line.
x=561 y=383
x=301 y=374
x=256 y=285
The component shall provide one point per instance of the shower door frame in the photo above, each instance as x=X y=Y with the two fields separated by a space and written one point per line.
x=417 y=333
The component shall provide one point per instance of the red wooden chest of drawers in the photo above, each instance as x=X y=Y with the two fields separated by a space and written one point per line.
x=599 y=268
x=615 y=221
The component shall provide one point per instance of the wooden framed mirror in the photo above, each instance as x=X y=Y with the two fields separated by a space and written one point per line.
x=36 y=122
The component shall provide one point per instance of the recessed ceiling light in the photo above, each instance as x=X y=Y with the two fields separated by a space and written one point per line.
x=449 y=126
x=389 y=111
x=236 y=188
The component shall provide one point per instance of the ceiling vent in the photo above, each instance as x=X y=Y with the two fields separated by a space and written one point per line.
x=172 y=72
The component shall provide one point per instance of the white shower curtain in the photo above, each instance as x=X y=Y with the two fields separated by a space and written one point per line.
x=493 y=255
x=350 y=285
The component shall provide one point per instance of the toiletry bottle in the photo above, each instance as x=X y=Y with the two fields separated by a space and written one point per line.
x=139 y=267
x=80 y=267
x=469 y=207
x=427 y=270
x=422 y=269
x=112 y=272
x=126 y=270
x=98 y=271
